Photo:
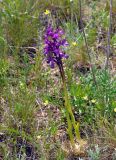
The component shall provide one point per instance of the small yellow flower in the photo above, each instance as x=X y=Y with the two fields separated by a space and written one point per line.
x=114 y=109
x=93 y=101
x=46 y=102
x=22 y=85
x=38 y=137
x=74 y=43
x=47 y=12
x=85 y=98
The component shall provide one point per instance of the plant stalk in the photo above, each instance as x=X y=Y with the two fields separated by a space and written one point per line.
x=86 y=44
x=70 y=116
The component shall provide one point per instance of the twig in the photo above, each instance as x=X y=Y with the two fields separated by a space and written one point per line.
x=109 y=37
x=87 y=47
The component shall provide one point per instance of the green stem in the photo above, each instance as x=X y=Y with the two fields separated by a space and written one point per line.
x=70 y=116
x=69 y=108
x=69 y=130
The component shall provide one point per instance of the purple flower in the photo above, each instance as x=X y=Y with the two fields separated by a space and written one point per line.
x=54 y=46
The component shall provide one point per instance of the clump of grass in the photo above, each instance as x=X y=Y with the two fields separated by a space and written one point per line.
x=20 y=23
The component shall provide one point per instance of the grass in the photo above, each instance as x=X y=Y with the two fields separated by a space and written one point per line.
x=32 y=113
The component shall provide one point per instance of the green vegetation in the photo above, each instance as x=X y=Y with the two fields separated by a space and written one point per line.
x=33 y=100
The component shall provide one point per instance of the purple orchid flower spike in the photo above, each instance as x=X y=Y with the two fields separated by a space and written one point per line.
x=54 y=53
x=54 y=46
